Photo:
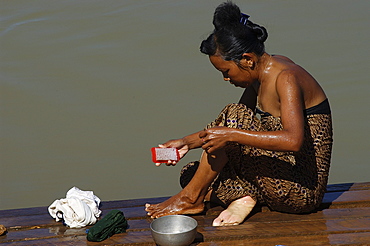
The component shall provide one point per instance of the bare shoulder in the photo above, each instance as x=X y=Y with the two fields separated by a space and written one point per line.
x=287 y=70
x=295 y=81
x=283 y=58
x=287 y=82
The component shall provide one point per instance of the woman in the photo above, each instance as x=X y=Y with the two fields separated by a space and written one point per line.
x=272 y=148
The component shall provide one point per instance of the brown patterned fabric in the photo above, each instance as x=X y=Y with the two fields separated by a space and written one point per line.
x=292 y=182
x=187 y=173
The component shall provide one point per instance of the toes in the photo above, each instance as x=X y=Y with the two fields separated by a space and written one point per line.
x=223 y=217
x=226 y=219
x=154 y=215
x=221 y=222
x=147 y=207
x=231 y=224
x=150 y=207
x=153 y=210
x=217 y=222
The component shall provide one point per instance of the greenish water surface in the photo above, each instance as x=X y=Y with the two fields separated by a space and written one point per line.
x=88 y=87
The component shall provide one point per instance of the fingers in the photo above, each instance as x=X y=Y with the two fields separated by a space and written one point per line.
x=208 y=150
x=169 y=163
x=202 y=134
x=208 y=146
x=204 y=138
x=211 y=147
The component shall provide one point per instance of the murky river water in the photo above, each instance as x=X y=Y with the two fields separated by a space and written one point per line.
x=87 y=87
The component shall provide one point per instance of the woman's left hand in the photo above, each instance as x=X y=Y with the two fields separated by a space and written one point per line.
x=215 y=138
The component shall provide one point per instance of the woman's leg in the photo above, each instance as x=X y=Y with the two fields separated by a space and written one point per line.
x=190 y=199
x=236 y=212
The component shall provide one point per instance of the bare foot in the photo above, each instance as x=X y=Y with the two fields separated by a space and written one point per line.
x=236 y=212
x=178 y=204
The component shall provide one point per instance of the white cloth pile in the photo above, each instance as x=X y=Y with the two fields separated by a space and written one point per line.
x=79 y=208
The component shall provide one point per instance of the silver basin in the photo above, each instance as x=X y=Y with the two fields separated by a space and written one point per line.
x=174 y=230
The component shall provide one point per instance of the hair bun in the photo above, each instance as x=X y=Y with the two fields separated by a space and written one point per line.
x=226 y=15
x=260 y=32
x=234 y=34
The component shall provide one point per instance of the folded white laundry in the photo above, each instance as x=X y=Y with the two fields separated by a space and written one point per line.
x=79 y=208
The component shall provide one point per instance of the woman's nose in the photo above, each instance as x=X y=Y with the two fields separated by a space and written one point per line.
x=226 y=79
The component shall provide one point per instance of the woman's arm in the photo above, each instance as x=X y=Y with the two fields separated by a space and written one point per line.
x=290 y=138
x=192 y=141
x=183 y=145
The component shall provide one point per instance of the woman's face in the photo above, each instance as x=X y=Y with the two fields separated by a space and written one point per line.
x=232 y=72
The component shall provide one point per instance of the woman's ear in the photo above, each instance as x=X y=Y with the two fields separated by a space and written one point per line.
x=248 y=60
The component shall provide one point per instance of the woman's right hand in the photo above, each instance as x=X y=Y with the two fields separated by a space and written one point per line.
x=180 y=145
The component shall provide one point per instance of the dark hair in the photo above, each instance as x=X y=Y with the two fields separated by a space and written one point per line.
x=230 y=38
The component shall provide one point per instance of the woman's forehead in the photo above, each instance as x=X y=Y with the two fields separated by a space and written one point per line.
x=219 y=63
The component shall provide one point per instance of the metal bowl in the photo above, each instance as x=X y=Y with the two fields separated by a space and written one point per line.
x=174 y=230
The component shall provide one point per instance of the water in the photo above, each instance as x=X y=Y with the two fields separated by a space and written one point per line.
x=88 y=87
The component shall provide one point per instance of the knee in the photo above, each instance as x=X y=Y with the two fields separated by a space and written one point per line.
x=217 y=157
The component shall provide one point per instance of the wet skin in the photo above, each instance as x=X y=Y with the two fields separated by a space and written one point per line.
x=284 y=89
x=190 y=200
